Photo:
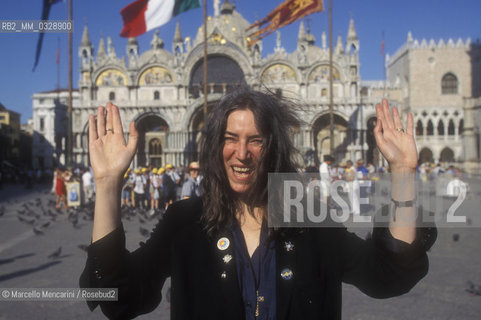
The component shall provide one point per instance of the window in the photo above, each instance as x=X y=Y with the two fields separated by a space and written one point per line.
x=156 y=95
x=430 y=129
x=449 y=84
x=451 y=128
x=419 y=128
x=42 y=124
x=112 y=96
x=440 y=128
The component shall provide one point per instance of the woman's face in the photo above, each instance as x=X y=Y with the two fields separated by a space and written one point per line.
x=242 y=150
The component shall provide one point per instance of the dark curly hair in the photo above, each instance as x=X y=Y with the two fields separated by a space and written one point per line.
x=276 y=120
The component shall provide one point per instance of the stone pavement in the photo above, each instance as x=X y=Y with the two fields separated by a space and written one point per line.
x=24 y=263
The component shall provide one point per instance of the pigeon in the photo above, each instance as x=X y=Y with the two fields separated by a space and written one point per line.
x=45 y=224
x=474 y=289
x=144 y=232
x=26 y=220
x=141 y=220
x=83 y=247
x=56 y=253
x=455 y=237
x=37 y=231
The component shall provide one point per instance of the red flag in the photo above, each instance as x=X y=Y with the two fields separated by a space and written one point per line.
x=286 y=13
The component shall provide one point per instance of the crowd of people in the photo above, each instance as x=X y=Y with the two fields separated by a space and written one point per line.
x=447 y=179
x=154 y=189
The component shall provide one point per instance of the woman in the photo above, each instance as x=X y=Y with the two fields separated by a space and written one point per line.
x=60 y=189
x=154 y=191
x=223 y=260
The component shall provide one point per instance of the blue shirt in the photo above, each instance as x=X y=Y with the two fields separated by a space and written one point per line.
x=256 y=274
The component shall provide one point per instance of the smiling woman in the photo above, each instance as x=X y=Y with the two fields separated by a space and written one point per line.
x=242 y=149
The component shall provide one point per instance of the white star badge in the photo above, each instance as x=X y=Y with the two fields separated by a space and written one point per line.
x=227 y=258
x=288 y=246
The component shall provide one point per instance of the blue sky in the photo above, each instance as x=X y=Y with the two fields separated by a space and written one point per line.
x=424 y=18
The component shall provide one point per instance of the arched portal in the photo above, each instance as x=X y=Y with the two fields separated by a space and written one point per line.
x=191 y=150
x=426 y=155
x=223 y=75
x=447 y=155
x=153 y=132
x=321 y=132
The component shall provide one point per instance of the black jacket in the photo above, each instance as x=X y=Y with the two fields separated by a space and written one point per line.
x=206 y=287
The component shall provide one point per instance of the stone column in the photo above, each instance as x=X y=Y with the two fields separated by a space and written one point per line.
x=469 y=132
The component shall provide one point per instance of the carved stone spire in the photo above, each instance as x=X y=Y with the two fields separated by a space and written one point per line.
x=85 y=38
x=302 y=32
x=110 y=48
x=352 y=34
x=178 y=35
x=339 y=47
x=101 y=52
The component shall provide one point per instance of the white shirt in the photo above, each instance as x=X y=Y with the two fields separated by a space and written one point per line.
x=87 y=178
x=140 y=182
x=324 y=172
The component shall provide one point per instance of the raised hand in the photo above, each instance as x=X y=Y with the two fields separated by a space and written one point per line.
x=396 y=144
x=110 y=156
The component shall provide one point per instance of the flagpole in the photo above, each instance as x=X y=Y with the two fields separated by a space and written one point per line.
x=383 y=64
x=69 y=108
x=58 y=63
x=205 y=61
x=331 y=87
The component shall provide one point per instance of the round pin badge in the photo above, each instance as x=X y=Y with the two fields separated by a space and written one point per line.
x=223 y=243
x=287 y=274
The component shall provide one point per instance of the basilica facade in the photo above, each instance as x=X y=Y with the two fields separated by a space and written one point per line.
x=162 y=91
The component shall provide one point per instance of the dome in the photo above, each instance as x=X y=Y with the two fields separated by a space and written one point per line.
x=230 y=25
x=156 y=54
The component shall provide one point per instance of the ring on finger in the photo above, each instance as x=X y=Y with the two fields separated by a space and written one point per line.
x=400 y=130
x=109 y=129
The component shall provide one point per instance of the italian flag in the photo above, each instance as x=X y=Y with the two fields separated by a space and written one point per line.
x=143 y=15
